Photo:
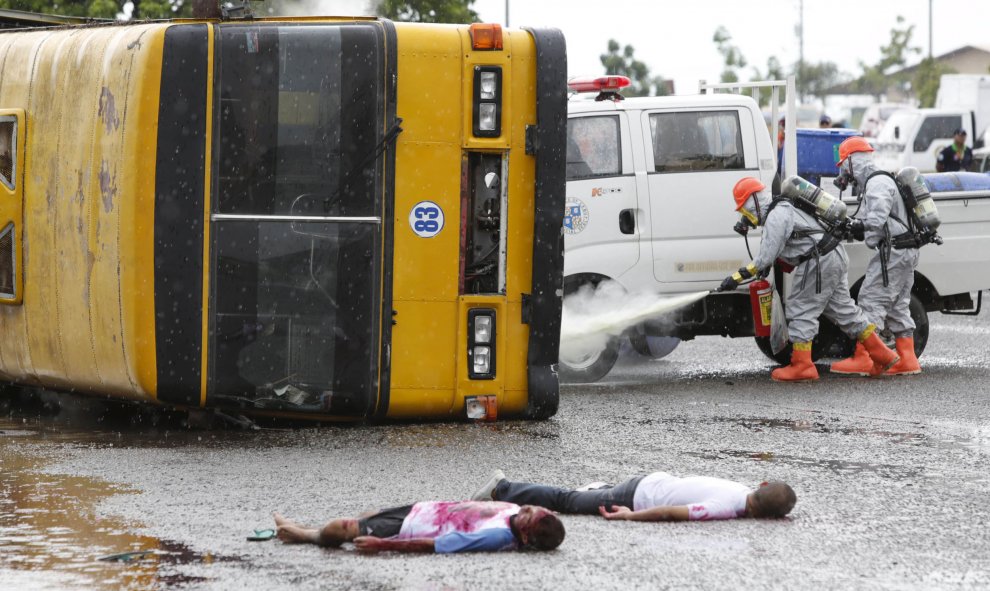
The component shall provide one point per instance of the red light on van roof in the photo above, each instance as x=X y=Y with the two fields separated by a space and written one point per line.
x=598 y=84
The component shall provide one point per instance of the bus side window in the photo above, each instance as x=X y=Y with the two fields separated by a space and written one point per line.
x=7 y=151
x=10 y=210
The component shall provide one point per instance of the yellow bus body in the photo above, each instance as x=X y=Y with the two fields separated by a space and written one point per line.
x=87 y=208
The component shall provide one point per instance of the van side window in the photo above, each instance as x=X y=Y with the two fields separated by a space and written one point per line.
x=933 y=128
x=593 y=147
x=8 y=143
x=699 y=140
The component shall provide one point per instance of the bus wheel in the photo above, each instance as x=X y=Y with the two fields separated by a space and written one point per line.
x=652 y=347
x=588 y=364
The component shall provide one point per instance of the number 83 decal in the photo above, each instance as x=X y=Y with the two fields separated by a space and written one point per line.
x=426 y=219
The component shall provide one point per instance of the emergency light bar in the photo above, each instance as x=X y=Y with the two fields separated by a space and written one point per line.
x=598 y=84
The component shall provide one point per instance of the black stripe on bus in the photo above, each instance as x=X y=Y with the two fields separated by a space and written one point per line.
x=388 y=228
x=546 y=299
x=179 y=195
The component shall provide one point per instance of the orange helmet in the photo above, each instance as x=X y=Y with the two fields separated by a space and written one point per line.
x=744 y=188
x=850 y=145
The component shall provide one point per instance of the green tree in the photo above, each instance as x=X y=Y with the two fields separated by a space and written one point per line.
x=731 y=54
x=875 y=79
x=103 y=8
x=775 y=71
x=926 y=80
x=428 y=11
x=817 y=78
x=620 y=61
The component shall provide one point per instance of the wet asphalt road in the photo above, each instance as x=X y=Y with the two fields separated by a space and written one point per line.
x=892 y=478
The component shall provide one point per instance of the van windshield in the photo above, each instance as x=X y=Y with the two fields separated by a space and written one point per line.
x=896 y=128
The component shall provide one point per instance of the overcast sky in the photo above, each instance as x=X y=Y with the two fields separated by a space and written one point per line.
x=675 y=38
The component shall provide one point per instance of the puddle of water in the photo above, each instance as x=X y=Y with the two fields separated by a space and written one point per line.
x=52 y=537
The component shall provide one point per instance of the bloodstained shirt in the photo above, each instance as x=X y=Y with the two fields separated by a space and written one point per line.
x=461 y=526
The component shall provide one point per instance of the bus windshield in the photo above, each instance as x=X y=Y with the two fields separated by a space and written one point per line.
x=296 y=225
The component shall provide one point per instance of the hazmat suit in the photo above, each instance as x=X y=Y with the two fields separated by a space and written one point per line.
x=885 y=295
x=819 y=286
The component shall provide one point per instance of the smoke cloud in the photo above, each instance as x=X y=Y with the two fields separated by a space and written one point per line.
x=591 y=316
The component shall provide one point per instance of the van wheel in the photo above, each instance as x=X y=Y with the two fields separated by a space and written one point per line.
x=585 y=366
x=652 y=347
x=920 y=317
x=591 y=362
x=783 y=358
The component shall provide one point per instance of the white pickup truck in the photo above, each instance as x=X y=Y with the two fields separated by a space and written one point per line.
x=649 y=207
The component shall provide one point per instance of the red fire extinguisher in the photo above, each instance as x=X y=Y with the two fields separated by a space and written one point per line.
x=761 y=298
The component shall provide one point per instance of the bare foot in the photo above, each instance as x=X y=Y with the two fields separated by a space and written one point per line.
x=291 y=532
x=282 y=520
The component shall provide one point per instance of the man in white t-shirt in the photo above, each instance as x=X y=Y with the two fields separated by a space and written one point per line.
x=656 y=497
x=436 y=526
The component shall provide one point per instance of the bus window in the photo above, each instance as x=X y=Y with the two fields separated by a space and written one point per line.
x=297 y=222
x=8 y=135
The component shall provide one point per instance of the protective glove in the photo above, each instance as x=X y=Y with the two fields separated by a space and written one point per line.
x=855 y=230
x=732 y=281
x=872 y=242
x=729 y=283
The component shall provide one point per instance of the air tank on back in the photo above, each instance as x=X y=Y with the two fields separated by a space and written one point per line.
x=918 y=198
x=813 y=199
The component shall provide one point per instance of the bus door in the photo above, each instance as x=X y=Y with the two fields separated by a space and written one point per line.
x=296 y=224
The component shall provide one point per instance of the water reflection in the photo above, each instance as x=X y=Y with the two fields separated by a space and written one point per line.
x=52 y=534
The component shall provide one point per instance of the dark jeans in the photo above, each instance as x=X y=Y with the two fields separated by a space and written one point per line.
x=563 y=500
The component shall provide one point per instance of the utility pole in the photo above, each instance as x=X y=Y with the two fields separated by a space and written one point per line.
x=800 y=71
x=929 y=27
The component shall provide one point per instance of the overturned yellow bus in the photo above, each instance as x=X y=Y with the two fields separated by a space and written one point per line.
x=324 y=218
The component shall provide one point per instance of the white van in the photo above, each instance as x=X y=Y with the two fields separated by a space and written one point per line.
x=649 y=201
x=914 y=137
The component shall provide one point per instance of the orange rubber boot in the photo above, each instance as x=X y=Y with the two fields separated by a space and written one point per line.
x=908 y=365
x=859 y=364
x=801 y=368
x=883 y=358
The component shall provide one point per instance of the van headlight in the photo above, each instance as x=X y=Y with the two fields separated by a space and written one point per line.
x=481 y=344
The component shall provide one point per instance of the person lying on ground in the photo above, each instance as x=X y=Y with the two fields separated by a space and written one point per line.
x=436 y=526
x=656 y=497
